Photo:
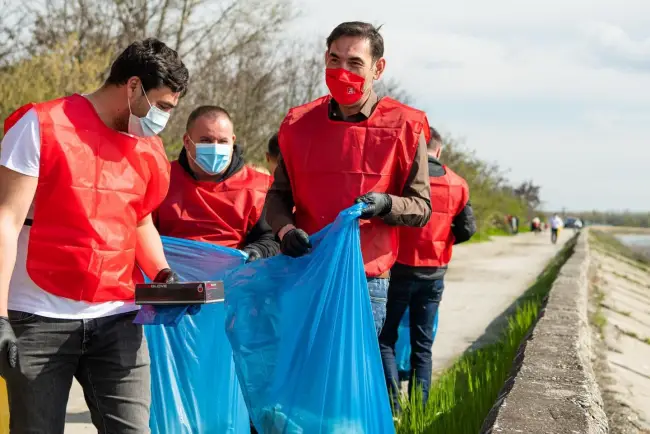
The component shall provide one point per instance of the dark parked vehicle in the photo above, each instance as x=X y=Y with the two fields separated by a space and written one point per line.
x=570 y=223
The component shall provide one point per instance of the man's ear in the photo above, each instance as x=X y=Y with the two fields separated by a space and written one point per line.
x=380 y=66
x=186 y=142
x=234 y=139
x=132 y=86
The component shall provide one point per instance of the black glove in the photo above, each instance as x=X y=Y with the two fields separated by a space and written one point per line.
x=295 y=243
x=253 y=254
x=8 y=344
x=379 y=204
x=166 y=275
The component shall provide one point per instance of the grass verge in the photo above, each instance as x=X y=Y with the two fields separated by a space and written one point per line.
x=460 y=399
x=487 y=234
x=598 y=319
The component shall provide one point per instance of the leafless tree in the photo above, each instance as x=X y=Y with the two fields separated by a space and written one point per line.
x=12 y=20
x=392 y=88
x=236 y=51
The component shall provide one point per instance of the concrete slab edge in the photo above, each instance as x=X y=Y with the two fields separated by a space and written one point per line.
x=552 y=387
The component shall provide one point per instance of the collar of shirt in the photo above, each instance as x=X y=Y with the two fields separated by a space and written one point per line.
x=366 y=110
x=436 y=169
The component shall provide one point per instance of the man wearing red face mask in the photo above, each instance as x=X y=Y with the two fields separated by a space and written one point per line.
x=352 y=146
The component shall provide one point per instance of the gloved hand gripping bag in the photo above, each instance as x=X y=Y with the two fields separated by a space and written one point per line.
x=194 y=387
x=304 y=339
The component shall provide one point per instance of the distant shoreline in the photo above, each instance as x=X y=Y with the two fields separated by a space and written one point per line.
x=635 y=240
x=622 y=229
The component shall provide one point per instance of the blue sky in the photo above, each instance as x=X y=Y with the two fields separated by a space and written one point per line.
x=555 y=91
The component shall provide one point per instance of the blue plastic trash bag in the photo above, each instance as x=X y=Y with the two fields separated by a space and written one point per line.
x=403 y=344
x=194 y=387
x=304 y=339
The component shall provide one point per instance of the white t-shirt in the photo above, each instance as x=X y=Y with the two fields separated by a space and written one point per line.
x=556 y=222
x=20 y=152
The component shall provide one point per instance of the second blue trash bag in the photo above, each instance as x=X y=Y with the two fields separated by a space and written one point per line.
x=193 y=382
x=403 y=344
x=304 y=340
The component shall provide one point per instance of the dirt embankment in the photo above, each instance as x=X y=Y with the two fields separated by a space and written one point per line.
x=620 y=316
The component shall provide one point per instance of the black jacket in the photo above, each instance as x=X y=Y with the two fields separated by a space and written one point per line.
x=261 y=236
x=463 y=227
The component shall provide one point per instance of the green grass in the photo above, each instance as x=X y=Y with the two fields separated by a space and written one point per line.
x=634 y=335
x=628 y=278
x=615 y=310
x=598 y=319
x=460 y=399
x=487 y=234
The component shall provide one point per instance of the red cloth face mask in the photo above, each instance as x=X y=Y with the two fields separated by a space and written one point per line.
x=346 y=87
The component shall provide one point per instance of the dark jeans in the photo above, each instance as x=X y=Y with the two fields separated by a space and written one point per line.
x=554 y=235
x=109 y=358
x=422 y=297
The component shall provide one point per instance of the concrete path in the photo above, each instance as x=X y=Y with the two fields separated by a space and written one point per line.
x=483 y=280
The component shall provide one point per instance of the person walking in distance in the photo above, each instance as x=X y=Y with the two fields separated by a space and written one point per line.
x=417 y=278
x=352 y=146
x=79 y=178
x=556 y=225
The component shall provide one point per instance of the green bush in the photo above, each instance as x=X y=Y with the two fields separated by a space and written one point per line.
x=58 y=72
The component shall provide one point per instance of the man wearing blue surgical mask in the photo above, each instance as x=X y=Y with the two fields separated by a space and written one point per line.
x=214 y=196
x=79 y=179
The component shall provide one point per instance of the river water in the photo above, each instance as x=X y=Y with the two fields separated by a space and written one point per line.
x=637 y=241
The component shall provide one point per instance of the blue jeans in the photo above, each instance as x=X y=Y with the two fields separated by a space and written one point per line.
x=422 y=297
x=378 y=290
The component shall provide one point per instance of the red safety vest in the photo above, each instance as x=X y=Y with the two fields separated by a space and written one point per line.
x=222 y=213
x=95 y=184
x=432 y=245
x=331 y=163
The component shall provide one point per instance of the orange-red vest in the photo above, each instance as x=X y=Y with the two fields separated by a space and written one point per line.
x=331 y=163
x=222 y=213
x=432 y=245
x=95 y=184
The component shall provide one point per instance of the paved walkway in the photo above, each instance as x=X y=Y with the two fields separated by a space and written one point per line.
x=483 y=280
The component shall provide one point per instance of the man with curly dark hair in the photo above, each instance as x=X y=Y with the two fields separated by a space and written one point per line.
x=79 y=178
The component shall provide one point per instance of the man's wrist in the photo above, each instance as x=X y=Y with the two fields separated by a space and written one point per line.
x=282 y=232
x=4 y=309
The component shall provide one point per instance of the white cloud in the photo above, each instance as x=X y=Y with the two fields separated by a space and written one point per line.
x=615 y=47
x=564 y=84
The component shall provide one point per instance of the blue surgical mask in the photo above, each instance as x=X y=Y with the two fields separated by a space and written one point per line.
x=150 y=125
x=213 y=158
